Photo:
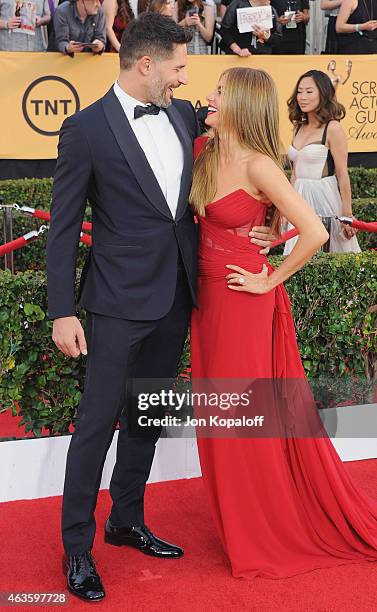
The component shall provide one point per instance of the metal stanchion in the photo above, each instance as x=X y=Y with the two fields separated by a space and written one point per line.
x=8 y=233
x=325 y=248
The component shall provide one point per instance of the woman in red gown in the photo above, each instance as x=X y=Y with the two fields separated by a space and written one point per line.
x=282 y=505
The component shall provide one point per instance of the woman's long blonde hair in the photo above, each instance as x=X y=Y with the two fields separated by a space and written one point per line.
x=249 y=114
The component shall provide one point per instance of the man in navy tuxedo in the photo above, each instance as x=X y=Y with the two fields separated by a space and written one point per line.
x=131 y=154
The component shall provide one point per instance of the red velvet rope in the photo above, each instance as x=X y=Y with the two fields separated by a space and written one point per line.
x=8 y=247
x=46 y=216
x=41 y=214
x=18 y=243
x=364 y=226
x=284 y=237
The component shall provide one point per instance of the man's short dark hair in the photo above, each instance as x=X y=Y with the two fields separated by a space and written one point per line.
x=151 y=34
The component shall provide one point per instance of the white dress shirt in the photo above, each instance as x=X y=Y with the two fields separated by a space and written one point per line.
x=161 y=145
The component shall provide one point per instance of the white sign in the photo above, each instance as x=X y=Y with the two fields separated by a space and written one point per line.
x=259 y=16
x=27 y=12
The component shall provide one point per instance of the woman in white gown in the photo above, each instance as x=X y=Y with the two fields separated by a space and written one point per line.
x=319 y=156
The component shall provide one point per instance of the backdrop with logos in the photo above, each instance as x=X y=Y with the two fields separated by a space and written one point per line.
x=39 y=90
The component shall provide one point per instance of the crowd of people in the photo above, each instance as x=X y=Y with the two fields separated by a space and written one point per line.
x=75 y=26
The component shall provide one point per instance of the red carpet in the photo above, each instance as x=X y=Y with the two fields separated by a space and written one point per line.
x=30 y=560
x=10 y=426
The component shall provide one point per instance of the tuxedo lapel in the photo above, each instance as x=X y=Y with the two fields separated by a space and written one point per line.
x=177 y=121
x=133 y=152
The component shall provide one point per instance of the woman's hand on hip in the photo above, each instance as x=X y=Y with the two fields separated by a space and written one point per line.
x=242 y=280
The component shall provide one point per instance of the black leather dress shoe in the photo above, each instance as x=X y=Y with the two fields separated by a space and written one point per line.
x=82 y=577
x=142 y=539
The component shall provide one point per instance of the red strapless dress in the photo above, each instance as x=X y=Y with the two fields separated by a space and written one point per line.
x=282 y=506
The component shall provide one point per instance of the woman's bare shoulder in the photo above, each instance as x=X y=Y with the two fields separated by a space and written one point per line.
x=260 y=162
x=334 y=127
x=335 y=132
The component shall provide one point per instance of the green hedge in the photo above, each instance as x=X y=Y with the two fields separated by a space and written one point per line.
x=363 y=182
x=32 y=371
x=37 y=194
x=332 y=299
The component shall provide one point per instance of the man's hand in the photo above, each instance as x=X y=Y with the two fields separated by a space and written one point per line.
x=69 y=336
x=262 y=236
x=99 y=46
x=74 y=47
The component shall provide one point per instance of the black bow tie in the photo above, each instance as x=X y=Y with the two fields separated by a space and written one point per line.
x=151 y=109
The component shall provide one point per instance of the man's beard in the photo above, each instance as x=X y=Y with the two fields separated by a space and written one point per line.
x=157 y=91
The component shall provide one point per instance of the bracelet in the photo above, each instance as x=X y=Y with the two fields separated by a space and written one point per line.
x=357 y=29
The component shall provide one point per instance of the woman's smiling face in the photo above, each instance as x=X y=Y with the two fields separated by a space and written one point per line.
x=214 y=104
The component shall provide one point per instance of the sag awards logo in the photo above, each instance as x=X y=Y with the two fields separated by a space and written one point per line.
x=361 y=106
x=47 y=101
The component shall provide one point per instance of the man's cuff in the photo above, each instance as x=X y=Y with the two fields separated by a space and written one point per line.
x=65 y=51
x=61 y=315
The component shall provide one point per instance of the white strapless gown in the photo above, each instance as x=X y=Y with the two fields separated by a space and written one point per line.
x=322 y=193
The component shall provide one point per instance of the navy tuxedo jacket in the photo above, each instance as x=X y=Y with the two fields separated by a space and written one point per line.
x=131 y=269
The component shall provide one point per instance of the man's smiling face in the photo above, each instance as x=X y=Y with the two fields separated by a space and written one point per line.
x=166 y=75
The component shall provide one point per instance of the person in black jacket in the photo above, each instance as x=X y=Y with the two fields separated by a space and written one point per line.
x=139 y=284
x=293 y=18
x=248 y=43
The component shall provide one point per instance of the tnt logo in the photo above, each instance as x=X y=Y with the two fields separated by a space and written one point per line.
x=47 y=102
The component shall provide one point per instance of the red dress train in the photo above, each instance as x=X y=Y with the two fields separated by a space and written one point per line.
x=282 y=506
